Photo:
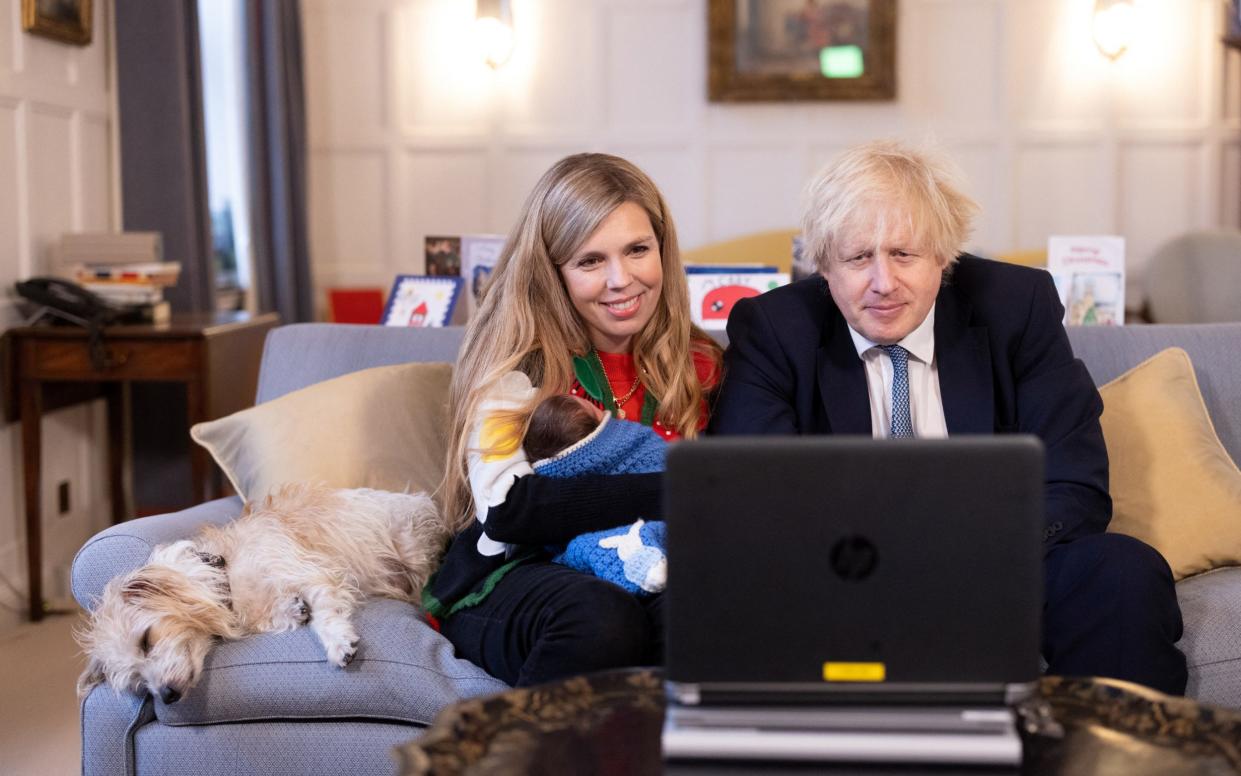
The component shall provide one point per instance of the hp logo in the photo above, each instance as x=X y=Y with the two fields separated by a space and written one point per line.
x=854 y=558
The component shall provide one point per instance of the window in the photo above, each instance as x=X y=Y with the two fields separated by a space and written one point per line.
x=221 y=33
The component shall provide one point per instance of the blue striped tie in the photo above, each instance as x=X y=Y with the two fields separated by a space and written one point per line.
x=902 y=428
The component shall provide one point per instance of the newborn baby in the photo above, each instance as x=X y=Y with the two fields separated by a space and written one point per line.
x=569 y=436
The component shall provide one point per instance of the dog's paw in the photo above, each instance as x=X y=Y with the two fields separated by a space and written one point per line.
x=342 y=654
x=351 y=653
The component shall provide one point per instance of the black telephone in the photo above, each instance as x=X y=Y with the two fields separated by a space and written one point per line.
x=66 y=299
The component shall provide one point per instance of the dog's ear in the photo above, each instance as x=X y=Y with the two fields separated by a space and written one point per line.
x=137 y=589
x=91 y=677
x=211 y=559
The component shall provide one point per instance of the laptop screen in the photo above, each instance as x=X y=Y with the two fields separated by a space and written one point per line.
x=850 y=565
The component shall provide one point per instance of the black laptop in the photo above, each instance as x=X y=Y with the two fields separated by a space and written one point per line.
x=853 y=588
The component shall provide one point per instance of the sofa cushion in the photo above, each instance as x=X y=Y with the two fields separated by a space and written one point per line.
x=1211 y=608
x=1173 y=485
x=382 y=428
x=404 y=671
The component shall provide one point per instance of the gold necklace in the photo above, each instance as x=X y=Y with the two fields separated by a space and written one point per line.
x=620 y=413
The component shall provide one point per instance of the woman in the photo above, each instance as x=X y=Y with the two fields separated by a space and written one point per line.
x=588 y=298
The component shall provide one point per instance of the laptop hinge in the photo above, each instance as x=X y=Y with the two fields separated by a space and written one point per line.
x=920 y=694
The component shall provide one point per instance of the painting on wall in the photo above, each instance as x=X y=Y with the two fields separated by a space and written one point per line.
x=68 y=21
x=766 y=50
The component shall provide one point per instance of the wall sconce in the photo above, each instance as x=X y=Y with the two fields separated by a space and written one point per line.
x=1113 y=26
x=493 y=30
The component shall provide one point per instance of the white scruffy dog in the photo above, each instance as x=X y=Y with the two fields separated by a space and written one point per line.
x=304 y=555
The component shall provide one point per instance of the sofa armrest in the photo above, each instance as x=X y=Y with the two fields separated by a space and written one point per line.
x=126 y=546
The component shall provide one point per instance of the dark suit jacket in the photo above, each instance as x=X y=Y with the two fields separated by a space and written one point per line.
x=1005 y=366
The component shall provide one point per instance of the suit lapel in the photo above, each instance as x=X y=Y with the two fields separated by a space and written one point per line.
x=842 y=379
x=964 y=361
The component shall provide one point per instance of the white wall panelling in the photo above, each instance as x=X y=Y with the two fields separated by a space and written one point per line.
x=10 y=23
x=1061 y=189
x=1230 y=185
x=10 y=194
x=651 y=90
x=57 y=174
x=1052 y=137
x=444 y=187
x=94 y=174
x=349 y=210
x=348 y=68
x=1159 y=198
x=753 y=188
x=51 y=175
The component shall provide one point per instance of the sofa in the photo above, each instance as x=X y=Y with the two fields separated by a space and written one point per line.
x=271 y=703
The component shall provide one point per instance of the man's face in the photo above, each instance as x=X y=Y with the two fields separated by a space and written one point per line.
x=884 y=291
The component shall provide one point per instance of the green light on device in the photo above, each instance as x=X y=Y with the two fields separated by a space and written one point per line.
x=841 y=61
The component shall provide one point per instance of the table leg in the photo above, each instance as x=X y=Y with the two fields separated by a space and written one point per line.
x=32 y=450
x=120 y=451
x=196 y=410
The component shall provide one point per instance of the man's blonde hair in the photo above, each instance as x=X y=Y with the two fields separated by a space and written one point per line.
x=879 y=179
x=526 y=321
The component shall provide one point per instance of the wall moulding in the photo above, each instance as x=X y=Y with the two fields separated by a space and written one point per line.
x=55 y=95
x=432 y=139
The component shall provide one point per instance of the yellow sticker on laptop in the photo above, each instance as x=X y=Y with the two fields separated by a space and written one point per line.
x=854 y=672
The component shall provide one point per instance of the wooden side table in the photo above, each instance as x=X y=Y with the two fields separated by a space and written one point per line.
x=215 y=355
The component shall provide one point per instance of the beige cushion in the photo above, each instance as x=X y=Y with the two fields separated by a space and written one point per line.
x=383 y=428
x=1173 y=484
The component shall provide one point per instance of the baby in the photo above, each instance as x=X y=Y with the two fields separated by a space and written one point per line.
x=569 y=436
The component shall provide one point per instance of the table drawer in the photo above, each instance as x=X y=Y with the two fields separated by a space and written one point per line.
x=125 y=359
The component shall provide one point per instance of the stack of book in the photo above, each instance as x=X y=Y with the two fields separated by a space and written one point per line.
x=124 y=268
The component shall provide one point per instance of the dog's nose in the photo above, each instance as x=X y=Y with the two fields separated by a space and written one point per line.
x=169 y=694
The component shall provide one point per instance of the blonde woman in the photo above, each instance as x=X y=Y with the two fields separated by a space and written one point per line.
x=589 y=298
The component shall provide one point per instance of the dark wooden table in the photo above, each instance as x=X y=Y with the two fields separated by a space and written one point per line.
x=215 y=355
x=610 y=723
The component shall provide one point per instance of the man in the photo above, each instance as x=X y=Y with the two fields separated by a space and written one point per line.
x=901 y=335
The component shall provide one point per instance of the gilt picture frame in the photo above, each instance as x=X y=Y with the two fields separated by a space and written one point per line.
x=68 y=21
x=779 y=50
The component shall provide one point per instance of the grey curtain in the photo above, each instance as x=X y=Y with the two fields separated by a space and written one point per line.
x=163 y=154
x=278 y=159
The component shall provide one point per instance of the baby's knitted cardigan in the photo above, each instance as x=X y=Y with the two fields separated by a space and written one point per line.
x=631 y=556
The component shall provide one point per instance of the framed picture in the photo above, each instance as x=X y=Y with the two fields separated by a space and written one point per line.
x=68 y=21
x=443 y=254
x=767 y=50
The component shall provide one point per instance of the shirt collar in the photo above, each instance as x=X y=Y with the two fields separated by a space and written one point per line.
x=920 y=342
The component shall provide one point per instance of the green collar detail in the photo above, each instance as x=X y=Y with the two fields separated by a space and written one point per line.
x=589 y=373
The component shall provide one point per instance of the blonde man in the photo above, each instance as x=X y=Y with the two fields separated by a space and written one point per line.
x=903 y=335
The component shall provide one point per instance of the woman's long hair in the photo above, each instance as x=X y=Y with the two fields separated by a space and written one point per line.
x=527 y=322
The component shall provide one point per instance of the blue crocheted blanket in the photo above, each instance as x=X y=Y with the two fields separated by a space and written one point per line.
x=631 y=556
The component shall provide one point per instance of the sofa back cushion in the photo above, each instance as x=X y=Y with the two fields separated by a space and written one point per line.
x=299 y=355
x=1213 y=349
x=303 y=354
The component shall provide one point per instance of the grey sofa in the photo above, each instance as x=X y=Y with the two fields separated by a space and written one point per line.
x=271 y=704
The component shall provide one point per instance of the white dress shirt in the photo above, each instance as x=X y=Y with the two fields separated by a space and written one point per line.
x=926 y=406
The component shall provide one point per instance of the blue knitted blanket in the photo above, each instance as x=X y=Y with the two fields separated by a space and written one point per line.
x=631 y=556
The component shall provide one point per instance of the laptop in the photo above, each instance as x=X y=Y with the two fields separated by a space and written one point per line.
x=846 y=598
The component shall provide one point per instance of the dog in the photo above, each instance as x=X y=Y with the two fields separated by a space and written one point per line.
x=303 y=556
